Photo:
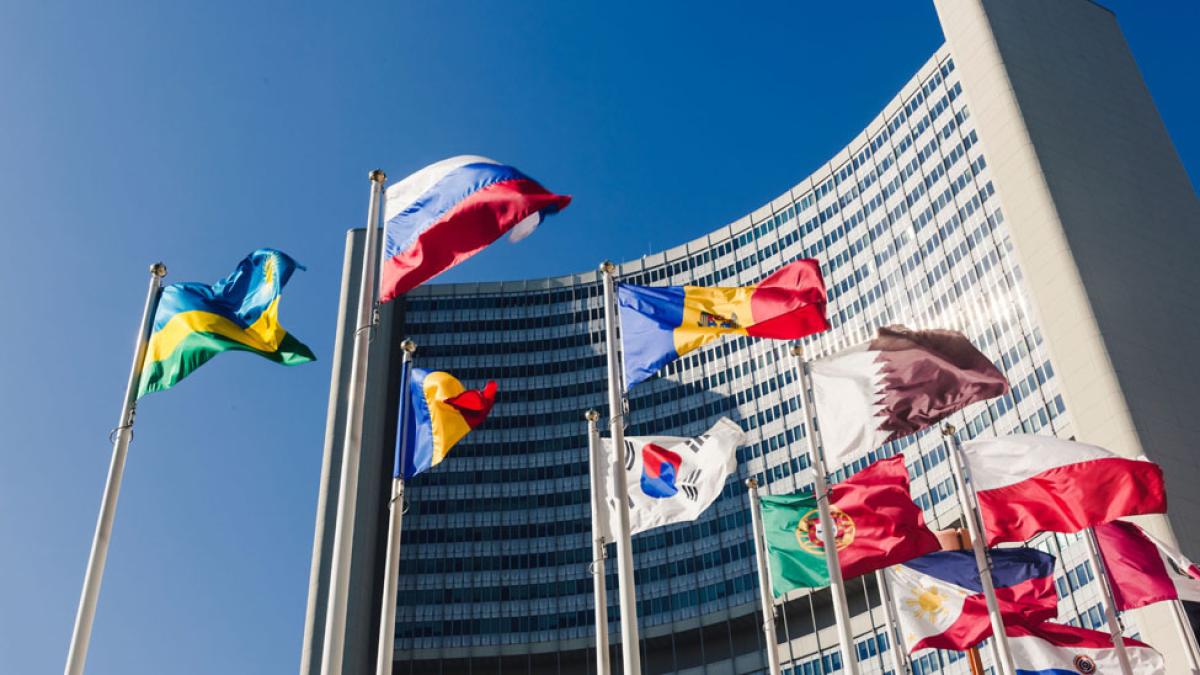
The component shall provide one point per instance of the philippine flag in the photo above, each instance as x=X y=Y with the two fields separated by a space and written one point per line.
x=1029 y=484
x=1055 y=649
x=940 y=602
x=451 y=210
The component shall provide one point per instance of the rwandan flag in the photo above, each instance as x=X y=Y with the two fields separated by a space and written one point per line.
x=440 y=412
x=195 y=321
x=662 y=323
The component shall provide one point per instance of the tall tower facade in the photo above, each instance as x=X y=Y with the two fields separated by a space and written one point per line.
x=1020 y=188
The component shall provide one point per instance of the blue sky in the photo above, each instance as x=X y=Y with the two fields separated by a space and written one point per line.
x=197 y=133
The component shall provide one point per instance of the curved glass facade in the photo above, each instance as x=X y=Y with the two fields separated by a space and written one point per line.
x=495 y=568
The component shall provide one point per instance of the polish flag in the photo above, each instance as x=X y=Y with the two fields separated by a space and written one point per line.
x=1144 y=570
x=1029 y=484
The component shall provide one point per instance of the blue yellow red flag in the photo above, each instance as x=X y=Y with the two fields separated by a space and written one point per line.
x=437 y=413
x=195 y=321
x=662 y=323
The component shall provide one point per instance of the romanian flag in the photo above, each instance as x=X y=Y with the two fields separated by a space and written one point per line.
x=439 y=413
x=662 y=323
x=195 y=322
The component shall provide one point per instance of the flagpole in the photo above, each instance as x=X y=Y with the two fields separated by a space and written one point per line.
x=967 y=500
x=1110 y=604
x=973 y=655
x=343 y=536
x=1186 y=635
x=765 y=596
x=82 y=634
x=828 y=528
x=599 y=593
x=391 y=566
x=899 y=655
x=631 y=657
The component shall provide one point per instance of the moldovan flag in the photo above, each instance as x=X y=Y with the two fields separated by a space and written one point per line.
x=672 y=480
x=662 y=323
x=897 y=384
x=1143 y=570
x=940 y=602
x=451 y=210
x=877 y=525
x=1029 y=484
x=1055 y=649
x=440 y=412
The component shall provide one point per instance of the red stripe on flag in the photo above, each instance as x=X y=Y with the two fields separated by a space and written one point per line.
x=462 y=232
x=1073 y=497
x=790 y=303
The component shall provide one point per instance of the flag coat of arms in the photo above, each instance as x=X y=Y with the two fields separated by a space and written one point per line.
x=662 y=323
x=672 y=480
x=1054 y=649
x=877 y=525
x=1144 y=570
x=1028 y=484
x=897 y=384
x=940 y=602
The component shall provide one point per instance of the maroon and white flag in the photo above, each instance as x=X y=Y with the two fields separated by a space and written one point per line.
x=1144 y=570
x=895 y=385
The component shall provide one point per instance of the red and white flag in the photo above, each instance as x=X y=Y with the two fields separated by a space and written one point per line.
x=1052 y=649
x=1029 y=484
x=1144 y=570
x=897 y=384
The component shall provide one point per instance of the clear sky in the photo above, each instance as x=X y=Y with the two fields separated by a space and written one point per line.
x=196 y=132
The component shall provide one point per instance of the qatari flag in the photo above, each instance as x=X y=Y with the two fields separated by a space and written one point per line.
x=895 y=385
x=1144 y=570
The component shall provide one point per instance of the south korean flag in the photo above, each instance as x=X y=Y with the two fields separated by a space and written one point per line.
x=670 y=479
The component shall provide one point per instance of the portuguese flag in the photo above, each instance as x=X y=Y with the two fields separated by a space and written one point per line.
x=877 y=525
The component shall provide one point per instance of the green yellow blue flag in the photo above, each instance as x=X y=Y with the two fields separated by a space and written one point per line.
x=195 y=322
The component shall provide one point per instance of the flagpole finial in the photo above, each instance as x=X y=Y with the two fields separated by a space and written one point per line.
x=377 y=176
x=797 y=350
x=949 y=430
x=608 y=267
x=592 y=415
x=751 y=483
x=408 y=346
x=158 y=269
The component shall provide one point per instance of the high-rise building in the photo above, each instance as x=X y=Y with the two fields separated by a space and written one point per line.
x=1021 y=188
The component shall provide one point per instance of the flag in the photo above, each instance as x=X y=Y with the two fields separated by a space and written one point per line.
x=940 y=602
x=195 y=322
x=1144 y=570
x=877 y=525
x=662 y=323
x=440 y=413
x=1054 y=649
x=672 y=480
x=451 y=210
x=897 y=384
x=1029 y=484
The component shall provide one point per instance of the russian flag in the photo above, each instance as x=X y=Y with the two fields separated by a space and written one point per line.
x=451 y=210
x=1029 y=484
x=940 y=602
x=1055 y=649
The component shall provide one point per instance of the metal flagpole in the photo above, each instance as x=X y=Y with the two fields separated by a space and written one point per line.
x=343 y=536
x=899 y=655
x=1110 y=604
x=631 y=658
x=595 y=457
x=828 y=527
x=765 y=597
x=973 y=657
x=1000 y=651
x=1186 y=635
x=82 y=634
x=391 y=567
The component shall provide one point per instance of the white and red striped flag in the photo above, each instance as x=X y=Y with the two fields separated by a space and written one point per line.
x=1029 y=484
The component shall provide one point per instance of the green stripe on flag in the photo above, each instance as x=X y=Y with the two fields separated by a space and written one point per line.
x=795 y=559
x=197 y=348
